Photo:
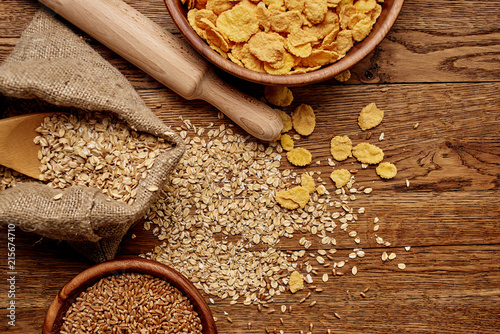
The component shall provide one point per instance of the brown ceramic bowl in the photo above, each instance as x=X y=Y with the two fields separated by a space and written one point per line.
x=61 y=303
x=390 y=11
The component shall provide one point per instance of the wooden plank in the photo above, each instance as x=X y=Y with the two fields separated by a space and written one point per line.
x=458 y=283
x=420 y=48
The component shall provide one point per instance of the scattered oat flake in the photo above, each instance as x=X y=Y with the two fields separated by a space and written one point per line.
x=152 y=188
x=58 y=196
x=354 y=270
x=401 y=266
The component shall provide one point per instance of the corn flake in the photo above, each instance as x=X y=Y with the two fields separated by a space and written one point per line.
x=367 y=153
x=302 y=51
x=299 y=156
x=370 y=116
x=241 y=51
x=296 y=281
x=283 y=36
x=286 y=142
x=298 y=195
x=304 y=120
x=286 y=21
x=267 y=46
x=282 y=67
x=238 y=23
x=340 y=177
x=386 y=170
x=287 y=121
x=286 y=203
x=340 y=147
x=219 y=6
x=362 y=29
x=307 y=182
x=315 y=10
x=344 y=41
x=364 y=6
x=278 y=95
x=343 y=76
x=320 y=58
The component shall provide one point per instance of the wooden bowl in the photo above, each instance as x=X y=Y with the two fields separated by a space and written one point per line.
x=390 y=12
x=61 y=303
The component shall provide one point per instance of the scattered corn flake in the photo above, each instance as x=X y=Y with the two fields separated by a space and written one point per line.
x=370 y=116
x=340 y=177
x=368 y=153
x=278 y=95
x=296 y=282
x=307 y=182
x=286 y=142
x=295 y=5
x=286 y=119
x=285 y=202
x=299 y=195
x=386 y=170
x=304 y=120
x=343 y=76
x=299 y=156
x=341 y=147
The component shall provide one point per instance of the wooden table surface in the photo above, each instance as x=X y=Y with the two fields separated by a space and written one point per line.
x=438 y=67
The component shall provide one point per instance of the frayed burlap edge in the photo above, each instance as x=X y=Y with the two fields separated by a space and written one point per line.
x=53 y=64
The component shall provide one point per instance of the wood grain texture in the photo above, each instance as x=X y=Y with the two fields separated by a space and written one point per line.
x=438 y=67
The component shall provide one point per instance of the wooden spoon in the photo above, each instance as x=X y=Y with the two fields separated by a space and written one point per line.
x=167 y=59
x=17 y=149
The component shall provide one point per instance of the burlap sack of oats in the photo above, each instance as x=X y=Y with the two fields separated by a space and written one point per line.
x=52 y=64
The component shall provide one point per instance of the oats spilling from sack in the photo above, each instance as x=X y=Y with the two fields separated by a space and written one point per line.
x=93 y=150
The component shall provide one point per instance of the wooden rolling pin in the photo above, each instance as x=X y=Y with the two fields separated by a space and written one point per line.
x=167 y=59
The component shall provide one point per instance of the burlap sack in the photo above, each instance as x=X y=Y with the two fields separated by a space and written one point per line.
x=52 y=64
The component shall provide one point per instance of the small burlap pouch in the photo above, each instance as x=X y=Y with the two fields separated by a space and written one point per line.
x=55 y=66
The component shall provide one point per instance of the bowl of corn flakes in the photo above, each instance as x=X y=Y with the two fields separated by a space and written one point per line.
x=284 y=42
